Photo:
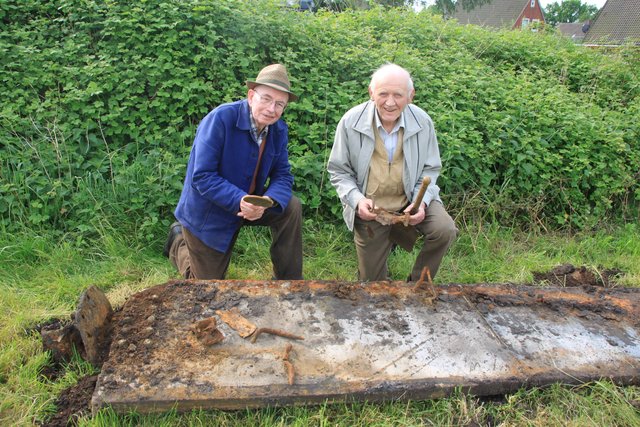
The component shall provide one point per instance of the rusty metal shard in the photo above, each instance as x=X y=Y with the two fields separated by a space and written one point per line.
x=93 y=320
x=363 y=341
x=236 y=321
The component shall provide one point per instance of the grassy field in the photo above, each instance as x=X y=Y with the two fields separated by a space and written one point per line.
x=41 y=278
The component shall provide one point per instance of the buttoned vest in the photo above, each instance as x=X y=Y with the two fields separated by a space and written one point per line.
x=384 y=186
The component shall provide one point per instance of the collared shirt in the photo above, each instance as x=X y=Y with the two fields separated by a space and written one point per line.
x=390 y=139
x=254 y=130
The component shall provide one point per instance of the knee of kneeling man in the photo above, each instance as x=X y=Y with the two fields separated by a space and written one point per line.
x=447 y=231
x=453 y=231
x=294 y=205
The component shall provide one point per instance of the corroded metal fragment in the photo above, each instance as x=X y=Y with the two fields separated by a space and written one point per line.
x=237 y=321
x=207 y=332
x=61 y=342
x=93 y=320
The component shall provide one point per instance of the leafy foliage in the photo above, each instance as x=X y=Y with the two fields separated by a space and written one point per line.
x=569 y=11
x=447 y=8
x=341 y=5
x=101 y=101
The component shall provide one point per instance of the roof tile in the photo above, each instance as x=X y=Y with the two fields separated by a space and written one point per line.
x=617 y=22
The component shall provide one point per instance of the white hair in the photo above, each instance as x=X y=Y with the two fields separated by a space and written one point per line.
x=389 y=68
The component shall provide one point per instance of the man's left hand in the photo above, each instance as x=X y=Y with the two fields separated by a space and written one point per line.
x=419 y=216
x=249 y=211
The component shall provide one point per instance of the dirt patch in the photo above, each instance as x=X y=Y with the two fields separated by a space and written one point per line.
x=346 y=291
x=566 y=275
x=72 y=403
x=138 y=322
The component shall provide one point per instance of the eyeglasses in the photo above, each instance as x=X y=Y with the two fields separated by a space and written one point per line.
x=267 y=100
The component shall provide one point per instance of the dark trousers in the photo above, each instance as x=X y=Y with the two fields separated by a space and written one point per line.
x=195 y=260
x=373 y=245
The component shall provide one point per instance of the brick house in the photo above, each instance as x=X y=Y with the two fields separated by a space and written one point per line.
x=502 y=14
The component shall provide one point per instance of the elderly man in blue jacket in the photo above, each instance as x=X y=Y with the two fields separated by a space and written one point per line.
x=238 y=148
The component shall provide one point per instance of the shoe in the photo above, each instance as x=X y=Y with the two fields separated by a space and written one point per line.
x=174 y=230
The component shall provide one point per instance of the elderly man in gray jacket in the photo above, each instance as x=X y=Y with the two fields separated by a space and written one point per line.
x=383 y=149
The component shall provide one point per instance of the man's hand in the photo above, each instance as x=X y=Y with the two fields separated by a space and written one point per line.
x=249 y=211
x=418 y=217
x=365 y=209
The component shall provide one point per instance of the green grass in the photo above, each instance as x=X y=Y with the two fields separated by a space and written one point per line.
x=42 y=277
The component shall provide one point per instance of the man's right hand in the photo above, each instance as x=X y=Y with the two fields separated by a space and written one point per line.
x=365 y=209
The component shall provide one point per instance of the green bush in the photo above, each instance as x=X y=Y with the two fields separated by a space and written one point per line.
x=100 y=101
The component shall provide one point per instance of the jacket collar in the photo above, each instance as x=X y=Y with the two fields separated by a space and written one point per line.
x=364 y=121
x=244 y=118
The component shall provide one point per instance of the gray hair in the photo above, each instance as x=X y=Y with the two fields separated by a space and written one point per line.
x=390 y=68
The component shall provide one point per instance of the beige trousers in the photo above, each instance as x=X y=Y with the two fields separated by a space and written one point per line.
x=373 y=245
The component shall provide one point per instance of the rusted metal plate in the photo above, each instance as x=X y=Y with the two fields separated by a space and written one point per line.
x=370 y=341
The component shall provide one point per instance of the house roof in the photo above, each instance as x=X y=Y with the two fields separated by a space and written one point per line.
x=572 y=30
x=496 y=13
x=617 y=22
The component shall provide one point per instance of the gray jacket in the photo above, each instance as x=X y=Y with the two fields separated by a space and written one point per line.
x=354 y=145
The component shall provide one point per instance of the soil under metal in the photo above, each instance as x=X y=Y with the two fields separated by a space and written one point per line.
x=73 y=402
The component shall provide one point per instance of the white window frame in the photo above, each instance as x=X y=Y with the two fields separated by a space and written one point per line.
x=533 y=3
x=533 y=24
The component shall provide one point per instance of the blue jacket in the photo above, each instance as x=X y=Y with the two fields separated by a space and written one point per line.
x=221 y=165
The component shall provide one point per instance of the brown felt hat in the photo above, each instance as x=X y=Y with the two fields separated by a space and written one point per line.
x=275 y=76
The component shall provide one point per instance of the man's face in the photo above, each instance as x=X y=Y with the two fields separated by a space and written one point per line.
x=390 y=93
x=267 y=105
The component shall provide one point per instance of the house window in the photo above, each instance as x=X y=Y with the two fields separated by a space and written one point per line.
x=525 y=22
x=535 y=24
x=533 y=3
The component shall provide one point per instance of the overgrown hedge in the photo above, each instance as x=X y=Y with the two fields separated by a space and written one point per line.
x=100 y=100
